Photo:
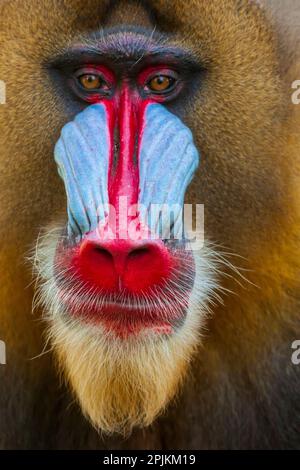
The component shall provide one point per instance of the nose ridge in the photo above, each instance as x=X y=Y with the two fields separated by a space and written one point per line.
x=111 y=265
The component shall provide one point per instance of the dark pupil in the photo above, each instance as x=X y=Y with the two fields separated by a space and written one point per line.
x=160 y=80
x=91 y=78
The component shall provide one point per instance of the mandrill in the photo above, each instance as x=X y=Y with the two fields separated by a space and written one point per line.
x=122 y=119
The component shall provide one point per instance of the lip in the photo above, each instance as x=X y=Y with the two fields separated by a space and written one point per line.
x=126 y=318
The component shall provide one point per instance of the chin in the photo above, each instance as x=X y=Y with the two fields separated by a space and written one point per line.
x=123 y=353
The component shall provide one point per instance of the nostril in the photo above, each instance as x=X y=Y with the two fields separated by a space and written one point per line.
x=98 y=255
x=103 y=253
x=146 y=266
x=95 y=264
x=138 y=253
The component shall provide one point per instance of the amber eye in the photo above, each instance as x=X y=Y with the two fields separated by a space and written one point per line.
x=91 y=81
x=161 y=83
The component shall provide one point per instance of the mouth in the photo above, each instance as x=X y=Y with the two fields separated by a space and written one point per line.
x=160 y=308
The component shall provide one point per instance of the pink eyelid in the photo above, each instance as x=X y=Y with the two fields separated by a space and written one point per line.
x=150 y=72
x=106 y=74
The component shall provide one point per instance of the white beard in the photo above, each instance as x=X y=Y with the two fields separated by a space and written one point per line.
x=121 y=383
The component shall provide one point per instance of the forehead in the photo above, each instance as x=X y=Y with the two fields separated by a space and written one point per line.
x=126 y=44
x=129 y=12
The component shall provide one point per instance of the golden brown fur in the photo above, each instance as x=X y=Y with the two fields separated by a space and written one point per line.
x=242 y=388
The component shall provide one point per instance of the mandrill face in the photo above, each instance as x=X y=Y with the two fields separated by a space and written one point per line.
x=120 y=297
x=124 y=290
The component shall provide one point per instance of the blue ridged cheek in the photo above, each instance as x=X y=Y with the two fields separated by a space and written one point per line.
x=82 y=157
x=167 y=162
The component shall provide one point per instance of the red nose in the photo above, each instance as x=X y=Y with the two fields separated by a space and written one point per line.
x=115 y=265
